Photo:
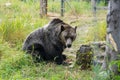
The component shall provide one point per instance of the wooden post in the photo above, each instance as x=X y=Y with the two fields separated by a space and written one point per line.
x=43 y=8
x=62 y=7
x=94 y=8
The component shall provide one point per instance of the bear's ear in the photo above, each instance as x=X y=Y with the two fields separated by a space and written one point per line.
x=62 y=28
x=75 y=28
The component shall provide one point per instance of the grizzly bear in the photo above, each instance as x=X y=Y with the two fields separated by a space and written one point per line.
x=48 y=43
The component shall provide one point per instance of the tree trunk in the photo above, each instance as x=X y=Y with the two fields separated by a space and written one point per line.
x=113 y=35
x=43 y=8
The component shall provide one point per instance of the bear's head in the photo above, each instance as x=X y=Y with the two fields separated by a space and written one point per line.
x=67 y=35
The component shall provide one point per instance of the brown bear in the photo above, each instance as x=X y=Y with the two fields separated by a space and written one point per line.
x=48 y=43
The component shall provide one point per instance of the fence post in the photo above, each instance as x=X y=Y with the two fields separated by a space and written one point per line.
x=94 y=8
x=62 y=7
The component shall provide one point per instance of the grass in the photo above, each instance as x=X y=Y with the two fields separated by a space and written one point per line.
x=19 y=17
x=97 y=32
x=14 y=30
x=15 y=64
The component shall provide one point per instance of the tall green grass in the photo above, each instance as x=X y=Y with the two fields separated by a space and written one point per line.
x=15 y=30
x=97 y=32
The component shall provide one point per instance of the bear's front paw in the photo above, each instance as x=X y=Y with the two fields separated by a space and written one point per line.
x=58 y=60
x=64 y=57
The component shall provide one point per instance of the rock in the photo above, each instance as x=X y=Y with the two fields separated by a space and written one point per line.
x=84 y=57
x=89 y=54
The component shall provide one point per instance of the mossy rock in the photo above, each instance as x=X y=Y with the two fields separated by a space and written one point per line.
x=84 y=57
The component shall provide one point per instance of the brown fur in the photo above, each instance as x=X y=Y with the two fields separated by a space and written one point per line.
x=48 y=43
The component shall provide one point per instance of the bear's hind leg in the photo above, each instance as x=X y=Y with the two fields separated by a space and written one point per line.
x=36 y=57
x=37 y=52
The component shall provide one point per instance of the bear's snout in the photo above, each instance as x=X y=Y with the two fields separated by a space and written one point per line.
x=69 y=45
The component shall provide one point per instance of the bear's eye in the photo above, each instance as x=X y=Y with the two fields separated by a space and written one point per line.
x=66 y=37
x=72 y=38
